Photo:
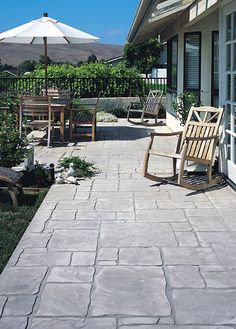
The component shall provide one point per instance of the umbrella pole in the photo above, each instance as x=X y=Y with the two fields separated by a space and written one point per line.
x=46 y=64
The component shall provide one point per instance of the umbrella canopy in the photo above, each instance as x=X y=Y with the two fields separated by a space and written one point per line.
x=46 y=30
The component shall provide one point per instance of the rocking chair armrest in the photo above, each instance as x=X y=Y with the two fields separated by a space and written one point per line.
x=153 y=134
x=188 y=139
x=135 y=103
x=132 y=105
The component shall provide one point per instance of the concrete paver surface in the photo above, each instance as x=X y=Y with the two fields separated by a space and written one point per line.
x=120 y=252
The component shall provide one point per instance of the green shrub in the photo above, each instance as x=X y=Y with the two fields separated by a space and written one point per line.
x=183 y=103
x=12 y=149
x=82 y=167
x=9 y=100
x=93 y=77
x=37 y=177
x=117 y=112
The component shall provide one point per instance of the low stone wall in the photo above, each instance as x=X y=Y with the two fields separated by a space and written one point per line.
x=115 y=102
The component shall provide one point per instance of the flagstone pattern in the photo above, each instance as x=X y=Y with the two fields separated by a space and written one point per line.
x=120 y=252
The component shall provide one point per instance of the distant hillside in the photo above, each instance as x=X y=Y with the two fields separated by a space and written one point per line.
x=14 y=54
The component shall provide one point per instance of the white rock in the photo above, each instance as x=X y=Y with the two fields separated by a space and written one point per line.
x=71 y=171
x=59 y=180
x=71 y=180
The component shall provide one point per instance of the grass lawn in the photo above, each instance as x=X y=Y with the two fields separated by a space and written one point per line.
x=13 y=224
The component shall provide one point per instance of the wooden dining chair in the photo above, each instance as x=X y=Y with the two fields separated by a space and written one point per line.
x=36 y=114
x=84 y=117
x=58 y=93
x=197 y=143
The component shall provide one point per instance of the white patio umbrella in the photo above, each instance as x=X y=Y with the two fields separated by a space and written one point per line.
x=46 y=30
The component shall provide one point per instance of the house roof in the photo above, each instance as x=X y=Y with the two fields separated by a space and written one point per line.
x=138 y=20
x=114 y=59
x=168 y=8
x=9 y=73
x=153 y=16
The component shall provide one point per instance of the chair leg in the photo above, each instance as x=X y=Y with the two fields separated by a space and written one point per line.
x=146 y=159
x=174 y=166
x=128 y=115
x=52 y=125
x=209 y=173
x=93 y=127
x=142 y=117
x=70 y=125
x=181 y=171
x=93 y=132
x=71 y=130
x=49 y=136
x=13 y=194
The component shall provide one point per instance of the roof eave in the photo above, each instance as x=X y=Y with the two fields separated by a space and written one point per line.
x=138 y=18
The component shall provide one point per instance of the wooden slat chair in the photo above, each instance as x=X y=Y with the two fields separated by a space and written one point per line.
x=36 y=114
x=197 y=143
x=149 y=108
x=84 y=117
x=58 y=93
x=11 y=180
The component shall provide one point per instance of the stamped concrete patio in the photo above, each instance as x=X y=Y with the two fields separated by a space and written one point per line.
x=118 y=251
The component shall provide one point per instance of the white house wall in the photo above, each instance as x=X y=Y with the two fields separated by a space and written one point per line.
x=206 y=26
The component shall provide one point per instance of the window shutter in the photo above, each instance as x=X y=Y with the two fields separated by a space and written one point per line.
x=192 y=62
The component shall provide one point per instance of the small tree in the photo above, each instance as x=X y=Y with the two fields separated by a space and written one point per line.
x=92 y=59
x=42 y=60
x=11 y=146
x=183 y=103
x=144 y=56
x=26 y=66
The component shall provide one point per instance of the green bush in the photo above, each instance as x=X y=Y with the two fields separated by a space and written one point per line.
x=93 y=77
x=82 y=167
x=38 y=176
x=10 y=100
x=183 y=103
x=117 y=112
x=12 y=149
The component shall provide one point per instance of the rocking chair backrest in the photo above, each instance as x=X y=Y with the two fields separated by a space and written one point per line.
x=153 y=102
x=201 y=122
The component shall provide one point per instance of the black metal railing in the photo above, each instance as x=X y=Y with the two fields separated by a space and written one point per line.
x=84 y=87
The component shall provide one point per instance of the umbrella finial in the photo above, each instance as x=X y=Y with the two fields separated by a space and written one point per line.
x=45 y=14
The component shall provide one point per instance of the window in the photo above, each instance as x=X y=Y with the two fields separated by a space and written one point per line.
x=192 y=61
x=172 y=63
x=215 y=70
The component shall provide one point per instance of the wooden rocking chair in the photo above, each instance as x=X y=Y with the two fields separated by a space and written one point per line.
x=150 y=107
x=197 y=143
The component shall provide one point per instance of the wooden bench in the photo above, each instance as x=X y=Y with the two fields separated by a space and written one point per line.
x=11 y=180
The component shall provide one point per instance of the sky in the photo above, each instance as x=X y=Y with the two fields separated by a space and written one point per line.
x=110 y=20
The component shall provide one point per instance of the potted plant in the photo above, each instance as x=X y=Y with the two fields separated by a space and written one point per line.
x=183 y=103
